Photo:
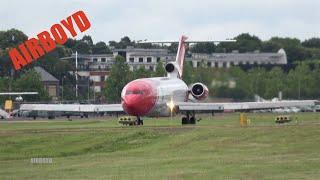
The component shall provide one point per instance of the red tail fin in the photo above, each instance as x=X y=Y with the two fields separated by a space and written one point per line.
x=181 y=54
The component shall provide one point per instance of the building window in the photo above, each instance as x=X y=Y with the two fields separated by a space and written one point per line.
x=232 y=64
x=95 y=59
x=209 y=64
x=102 y=78
x=224 y=64
x=103 y=60
x=149 y=59
x=151 y=68
x=141 y=60
x=198 y=64
x=216 y=64
x=131 y=59
x=158 y=59
x=52 y=90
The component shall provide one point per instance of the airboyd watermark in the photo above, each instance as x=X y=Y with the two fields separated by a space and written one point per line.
x=41 y=161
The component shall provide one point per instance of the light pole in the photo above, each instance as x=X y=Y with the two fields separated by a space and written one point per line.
x=88 y=89
x=77 y=74
x=62 y=89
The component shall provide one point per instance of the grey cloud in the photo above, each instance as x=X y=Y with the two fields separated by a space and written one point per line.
x=167 y=19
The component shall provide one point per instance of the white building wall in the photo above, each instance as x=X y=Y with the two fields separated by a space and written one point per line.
x=95 y=78
x=228 y=64
x=97 y=88
x=194 y=64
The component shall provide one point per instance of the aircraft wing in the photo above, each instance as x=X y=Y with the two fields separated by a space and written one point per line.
x=4 y=114
x=243 y=106
x=18 y=93
x=72 y=107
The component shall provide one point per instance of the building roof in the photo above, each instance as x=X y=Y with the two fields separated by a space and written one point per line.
x=278 y=58
x=89 y=56
x=45 y=76
x=152 y=53
x=131 y=49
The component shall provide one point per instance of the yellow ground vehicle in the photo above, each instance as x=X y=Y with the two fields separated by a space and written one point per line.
x=128 y=120
x=283 y=119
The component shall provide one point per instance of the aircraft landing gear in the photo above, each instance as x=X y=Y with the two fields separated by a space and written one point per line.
x=189 y=118
x=139 y=121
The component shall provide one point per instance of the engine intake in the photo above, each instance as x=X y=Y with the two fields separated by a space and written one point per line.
x=199 y=91
x=169 y=67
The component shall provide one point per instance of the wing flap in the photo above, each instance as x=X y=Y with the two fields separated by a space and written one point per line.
x=190 y=106
x=72 y=107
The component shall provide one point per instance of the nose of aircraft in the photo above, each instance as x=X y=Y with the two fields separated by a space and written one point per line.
x=138 y=97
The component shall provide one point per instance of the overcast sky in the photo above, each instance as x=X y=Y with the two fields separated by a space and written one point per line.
x=168 y=19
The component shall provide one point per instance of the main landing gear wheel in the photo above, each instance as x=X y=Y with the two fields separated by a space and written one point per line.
x=188 y=119
x=139 y=121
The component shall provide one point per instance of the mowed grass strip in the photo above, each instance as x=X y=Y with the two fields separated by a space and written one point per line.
x=217 y=147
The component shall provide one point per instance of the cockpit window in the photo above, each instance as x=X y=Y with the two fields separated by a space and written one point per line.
x=134 y=92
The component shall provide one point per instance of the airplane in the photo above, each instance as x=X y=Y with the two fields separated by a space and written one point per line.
x=279 y=110
x=163 y=96
x=3 y=113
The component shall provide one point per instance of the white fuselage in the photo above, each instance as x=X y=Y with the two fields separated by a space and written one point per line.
x=151 y=96
x=168 y=89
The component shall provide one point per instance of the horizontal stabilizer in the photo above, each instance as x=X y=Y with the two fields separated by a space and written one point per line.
x=187 y=41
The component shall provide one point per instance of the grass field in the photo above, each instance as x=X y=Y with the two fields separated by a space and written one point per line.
x=216 y=148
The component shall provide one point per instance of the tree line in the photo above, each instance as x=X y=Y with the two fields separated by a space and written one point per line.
x=298 y=79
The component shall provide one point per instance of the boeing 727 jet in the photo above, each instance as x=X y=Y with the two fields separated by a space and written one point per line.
x=159 y=96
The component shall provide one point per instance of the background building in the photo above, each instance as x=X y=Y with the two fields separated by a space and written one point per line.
x=226 y=60
x=137 y=57
x=96 y=67
x=51 y=84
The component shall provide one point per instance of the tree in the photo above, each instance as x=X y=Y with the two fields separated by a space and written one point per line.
x=4 y=87
x=141 y=73
x=71 y=43
x=88 y=40
x=119 y=77
x=202 y=73
x=160 y=71
x=274 y=82
x=203 y=48
x=124 y=42
x=82 y=48
x=295 y=51
x=302 y=82
x=5 y=64
x=248 y=43
x=173 y=48
x=269 y=46
x=245 y=43
x=312 y=43
x=11 y=38
x=100 y=48
x=187 y=72
x=31 y=81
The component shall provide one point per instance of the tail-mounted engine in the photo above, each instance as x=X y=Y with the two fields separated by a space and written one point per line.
x=199 y=91
x=172 y=69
